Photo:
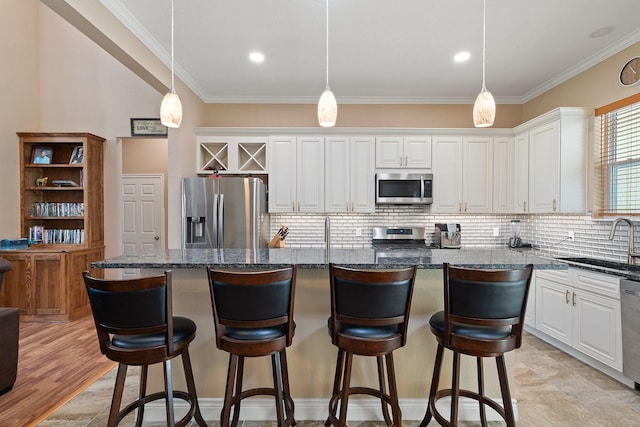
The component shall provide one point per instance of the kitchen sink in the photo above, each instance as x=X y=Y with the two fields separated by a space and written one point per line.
x=613 y=265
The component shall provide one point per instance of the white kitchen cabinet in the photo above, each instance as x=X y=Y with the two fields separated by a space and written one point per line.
x=582 y=309
x=412 y=152
x=296 y=174
x=232 y=154
x=462 y=174
x=503 y=181
x=557 y=161
x=521 y=173
x=350 y=173
x=447 y=174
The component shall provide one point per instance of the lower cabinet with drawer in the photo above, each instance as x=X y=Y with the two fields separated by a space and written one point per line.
x=581 y=308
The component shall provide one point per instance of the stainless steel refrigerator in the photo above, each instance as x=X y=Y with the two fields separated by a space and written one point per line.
x=224 y=212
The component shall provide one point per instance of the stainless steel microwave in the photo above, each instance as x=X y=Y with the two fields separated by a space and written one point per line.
x=404 y=188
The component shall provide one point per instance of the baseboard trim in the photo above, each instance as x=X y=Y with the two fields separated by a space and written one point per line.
x=360 y=409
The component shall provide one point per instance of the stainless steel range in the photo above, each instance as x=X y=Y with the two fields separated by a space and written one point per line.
x=400 y=245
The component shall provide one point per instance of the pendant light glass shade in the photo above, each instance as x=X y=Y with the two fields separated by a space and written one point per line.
x=484 y=109
x=171 y=107
x=327 y=105
x=327 y=109
x=171 y=110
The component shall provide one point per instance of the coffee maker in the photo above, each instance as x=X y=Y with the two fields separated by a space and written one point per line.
x=447 y=236
x=515 y=241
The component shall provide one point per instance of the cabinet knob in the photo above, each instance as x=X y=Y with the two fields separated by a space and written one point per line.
x=156 y=238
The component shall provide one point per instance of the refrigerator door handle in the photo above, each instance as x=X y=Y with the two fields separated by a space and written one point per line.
x=216 y=226
x=220 y=218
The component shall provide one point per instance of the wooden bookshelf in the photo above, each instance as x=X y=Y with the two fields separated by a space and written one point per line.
x=63 y=218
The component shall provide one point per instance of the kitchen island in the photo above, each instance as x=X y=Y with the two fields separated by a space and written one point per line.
x=311 y=358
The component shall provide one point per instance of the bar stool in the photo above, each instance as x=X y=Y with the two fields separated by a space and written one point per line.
x=369 y=317
x=483 y=317
x=136 y=327
x=253 y=317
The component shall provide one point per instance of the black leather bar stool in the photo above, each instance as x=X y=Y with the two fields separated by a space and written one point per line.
x=483 y=317
x=136 y=327
x=253 y=317
x=369 y=317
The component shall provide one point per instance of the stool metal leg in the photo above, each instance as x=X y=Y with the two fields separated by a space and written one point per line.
x=144 y=370
x=225 y=414
x=455 y=392
x=239 y=377
x=393 y=392
x=381 y=381
x=168 y=386
x=116 y=401
x=337 y=383
x=346 y=383
x=506 y=394
x=435 y=379
x=191 y=387
x=483 y=412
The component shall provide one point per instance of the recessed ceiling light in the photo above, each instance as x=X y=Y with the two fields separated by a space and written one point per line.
x=462 y=56
x=256 y=57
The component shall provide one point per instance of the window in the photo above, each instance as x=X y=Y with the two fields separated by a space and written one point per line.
x=617 y=161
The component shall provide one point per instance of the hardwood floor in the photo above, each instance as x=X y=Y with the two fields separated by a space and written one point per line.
x=56 y=361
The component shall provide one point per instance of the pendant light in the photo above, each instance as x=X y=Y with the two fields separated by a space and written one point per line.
x=327 y=106
x=484 y=109
x=171 y=107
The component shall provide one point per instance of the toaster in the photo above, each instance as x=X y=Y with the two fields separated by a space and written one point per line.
x=447 y=236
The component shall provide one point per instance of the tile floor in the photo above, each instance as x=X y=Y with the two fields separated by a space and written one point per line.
x=552 y=389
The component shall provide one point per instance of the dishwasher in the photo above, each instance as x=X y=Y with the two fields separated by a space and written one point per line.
x=630 y=308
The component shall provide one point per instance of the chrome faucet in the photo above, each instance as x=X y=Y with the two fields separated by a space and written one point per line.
x=631 y=251
x=327 y=233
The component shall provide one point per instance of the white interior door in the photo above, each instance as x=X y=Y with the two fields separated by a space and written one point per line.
x=142 y=216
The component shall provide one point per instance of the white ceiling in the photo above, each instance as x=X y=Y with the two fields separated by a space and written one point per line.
x=380 y=51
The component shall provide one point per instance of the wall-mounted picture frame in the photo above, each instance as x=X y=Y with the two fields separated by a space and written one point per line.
x=148 y=127
x=77 y=157
x=41 y=155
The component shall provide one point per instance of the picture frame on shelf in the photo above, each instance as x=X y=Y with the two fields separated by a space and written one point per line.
x=148 y=127
x=41 y=155
x=77 y=156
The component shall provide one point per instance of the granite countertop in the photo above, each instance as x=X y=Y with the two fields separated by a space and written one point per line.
x=424 y=258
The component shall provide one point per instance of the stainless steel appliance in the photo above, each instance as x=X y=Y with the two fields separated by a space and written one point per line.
x=515 y=241
x=400 y=245
x=224 y=212
x=630 y=309
x=447 y=236
x=404 y=189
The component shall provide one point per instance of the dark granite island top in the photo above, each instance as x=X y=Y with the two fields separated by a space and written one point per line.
x=310 y=258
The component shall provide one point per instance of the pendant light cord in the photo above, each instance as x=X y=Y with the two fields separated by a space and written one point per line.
x=327 y=46
x=484 y=42
x=173 y=90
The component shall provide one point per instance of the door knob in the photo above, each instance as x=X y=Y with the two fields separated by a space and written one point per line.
x=156 y=238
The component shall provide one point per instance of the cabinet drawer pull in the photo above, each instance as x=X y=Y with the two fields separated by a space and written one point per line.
x=524 y=206
x=574 y=299
x=566 y=296
x=555 y=205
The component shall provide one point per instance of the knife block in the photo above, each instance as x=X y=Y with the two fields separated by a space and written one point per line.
x=276 y=242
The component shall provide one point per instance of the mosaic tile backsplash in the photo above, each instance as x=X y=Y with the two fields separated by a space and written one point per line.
x=548 y=233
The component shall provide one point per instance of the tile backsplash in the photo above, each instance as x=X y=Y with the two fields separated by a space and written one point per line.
x=548 y=233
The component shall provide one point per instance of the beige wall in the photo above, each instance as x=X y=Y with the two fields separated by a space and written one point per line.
x=19 y=111
x=58 y=79
x=595 y=87
x=351 y=115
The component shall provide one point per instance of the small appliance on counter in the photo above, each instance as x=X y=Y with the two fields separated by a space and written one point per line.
x=14 y=244
x=447 y=236
x=515 y=241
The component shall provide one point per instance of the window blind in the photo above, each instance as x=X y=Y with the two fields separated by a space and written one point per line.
x=617 y=162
